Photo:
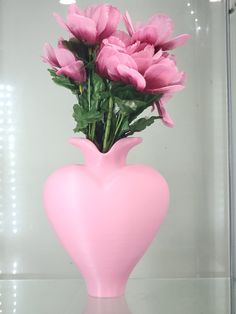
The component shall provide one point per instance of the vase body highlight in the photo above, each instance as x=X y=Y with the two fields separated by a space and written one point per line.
x=106 y=213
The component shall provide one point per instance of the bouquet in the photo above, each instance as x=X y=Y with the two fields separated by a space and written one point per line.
x=115 y=75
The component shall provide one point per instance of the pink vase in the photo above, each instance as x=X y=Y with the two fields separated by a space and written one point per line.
x=106 y=213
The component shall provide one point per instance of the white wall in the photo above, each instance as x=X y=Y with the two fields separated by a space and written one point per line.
x=193 y=241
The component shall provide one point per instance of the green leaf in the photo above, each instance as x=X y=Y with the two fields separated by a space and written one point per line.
x=131 y=101
x=63 y=81
x=127 y=106
x=98 y=84
x=128 y=92
x=83 y=99
x=97 y=89
x=142 y=106
x=104 y=104
x=84 y=117
x=78 y=129
x=132 y=108
x=77 y=47
x=125 y=127
x=141 y=124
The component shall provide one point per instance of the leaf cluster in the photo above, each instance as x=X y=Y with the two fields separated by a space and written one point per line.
x=105 y=111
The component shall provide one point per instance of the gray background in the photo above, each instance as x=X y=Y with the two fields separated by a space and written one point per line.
x=233 y=82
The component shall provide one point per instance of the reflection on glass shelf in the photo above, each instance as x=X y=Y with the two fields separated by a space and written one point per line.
x=106 y=306
x=68 y=296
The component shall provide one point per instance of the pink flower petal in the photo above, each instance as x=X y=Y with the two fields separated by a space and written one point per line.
x=166 y=119
x=100 y=17
x=147 y=52
x=114 y=42
x=159 y=75
x=147 y=34
x=166 y=97
x=157 y=57
x=107 y=60
x=60 y=21
x=138 y=25
x=122 y=36
x=117 y=60
x=128 y=23
x=73 y=8
x=82 y=28
x=131 y=76
x=165 y=89
x=142 y=63
x=64 y=56
x=75 y=70
x=59 y=43
x=111 y=25
x=111 y=68
x=49 y=55
x=163 y=25
x=127 y=60
x=90 y=10
x=176 y=42
x=143 y=58
x=104 y=59
x=136 y=47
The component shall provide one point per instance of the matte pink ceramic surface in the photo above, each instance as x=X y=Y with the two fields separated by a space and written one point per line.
x=106 y=213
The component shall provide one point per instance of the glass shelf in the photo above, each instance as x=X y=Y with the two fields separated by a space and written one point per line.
x=159 y=296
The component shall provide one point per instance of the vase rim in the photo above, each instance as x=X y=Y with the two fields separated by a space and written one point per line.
x=132 y=140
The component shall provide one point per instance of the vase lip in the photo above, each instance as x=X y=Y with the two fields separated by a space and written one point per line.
x=81 y=141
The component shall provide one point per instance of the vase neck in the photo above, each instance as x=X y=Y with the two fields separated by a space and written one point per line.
x=114 y=158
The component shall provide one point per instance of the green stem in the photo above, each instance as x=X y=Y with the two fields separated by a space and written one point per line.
x=118 y=125
x=93 y=129
x=108 y=125
x=89 y=103
x=89 y=91
x=121 y=115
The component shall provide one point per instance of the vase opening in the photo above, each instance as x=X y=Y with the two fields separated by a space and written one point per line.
x=116 y=156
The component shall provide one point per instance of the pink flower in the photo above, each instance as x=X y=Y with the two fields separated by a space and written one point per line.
x=117 y=65
x=157 y=31
x=122 y=41
x=64 y=62
x=92 y=25
x=143 y=58
x=163 y=76
x=139 y=66
x=166 y=119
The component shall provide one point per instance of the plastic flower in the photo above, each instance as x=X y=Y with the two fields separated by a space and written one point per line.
x=163 y=76
x=64 y=62
x=144 y=69
x=97 y=55
x=160 y=106
x=117 y=65
x=92 y=25
x=157 y=31
x=122 y=41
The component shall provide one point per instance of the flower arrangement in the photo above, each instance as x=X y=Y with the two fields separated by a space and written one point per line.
x=115 y=75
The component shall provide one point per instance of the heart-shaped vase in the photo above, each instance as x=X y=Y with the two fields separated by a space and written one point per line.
x=106 y=213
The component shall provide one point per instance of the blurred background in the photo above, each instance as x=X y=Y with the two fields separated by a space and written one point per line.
x=192 y=257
